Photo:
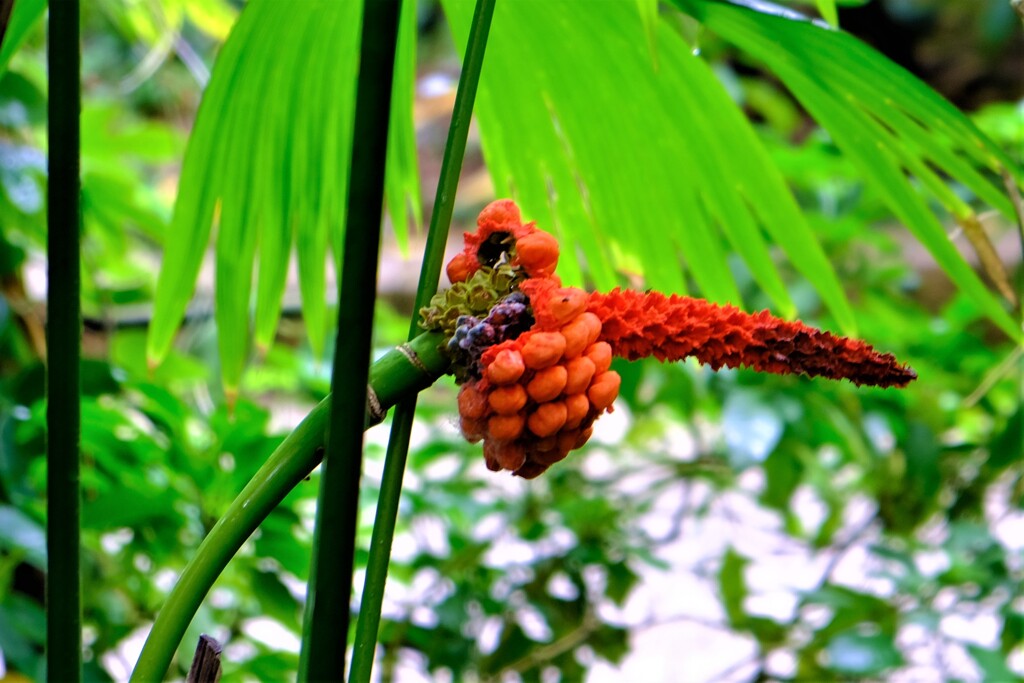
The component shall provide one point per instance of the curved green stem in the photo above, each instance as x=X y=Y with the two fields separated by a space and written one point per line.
x=368 y=622
x=401 y=372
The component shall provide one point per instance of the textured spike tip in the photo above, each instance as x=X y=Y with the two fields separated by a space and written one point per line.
x=671 y=328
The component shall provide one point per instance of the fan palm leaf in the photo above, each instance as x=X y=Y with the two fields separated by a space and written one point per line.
x=599 y=119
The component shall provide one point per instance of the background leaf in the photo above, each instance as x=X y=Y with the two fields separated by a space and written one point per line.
x=268 y=159
x=402 y=191
x=567 y=131
x=23 y=18
x=862 y=655
x=891 y=125
x=21 y=533
x=630 y=149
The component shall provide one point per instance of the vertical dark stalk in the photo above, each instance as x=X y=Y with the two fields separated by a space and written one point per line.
x=430 y=274
x=63 y=341
x=330 y=584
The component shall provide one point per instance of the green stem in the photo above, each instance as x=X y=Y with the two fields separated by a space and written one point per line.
x=401 y=372
x=328 y=596
x=63 y=340
x=386 y=517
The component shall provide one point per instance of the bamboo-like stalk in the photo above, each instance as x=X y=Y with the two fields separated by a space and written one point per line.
x=368 y=622
x=403 y=371
x=328 y=596
x=63 y=340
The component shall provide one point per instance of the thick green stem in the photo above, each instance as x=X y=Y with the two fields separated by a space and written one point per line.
x=401 y=372
x=328 y=598
x=63 y=340
x=386 y=517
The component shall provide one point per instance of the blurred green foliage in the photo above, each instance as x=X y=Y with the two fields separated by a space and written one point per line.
x=898 y=514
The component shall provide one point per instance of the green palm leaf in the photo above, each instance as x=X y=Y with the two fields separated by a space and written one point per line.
x=21 y=21
x=891 y=125
x=638 y=165
x=268 y=163
x=597 y=117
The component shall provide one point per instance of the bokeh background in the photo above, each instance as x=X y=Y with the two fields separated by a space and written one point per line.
x=719 y=527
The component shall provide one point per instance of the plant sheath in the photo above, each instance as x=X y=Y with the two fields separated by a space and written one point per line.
x=325 y=632
x=430 y=273
x=63 y=341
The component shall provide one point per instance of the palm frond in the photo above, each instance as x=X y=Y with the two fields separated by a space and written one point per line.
x=598 y=118
x=641 y=166
x=268 y=163
x=907 y=141
x=23 y=17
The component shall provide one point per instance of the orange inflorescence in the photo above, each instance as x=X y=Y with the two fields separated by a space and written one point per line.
x=638 y=325
x=534 y=398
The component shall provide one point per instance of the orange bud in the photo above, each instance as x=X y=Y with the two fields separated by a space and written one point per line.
x=580 y=371
x=509 y=456
x=507 y=400
x=472 y=403
x=543 y=349
x=547 y=419
x=577 y=406
x=472 y=430
x=460 y=268
x=581 y=333
x=547 y=384
x=545 y=444
x=604 y=390
x=601 y=353
x=550 y=456
x=492 y=464
x=567 y=439
x=584 y=437
x=505 y=427
x=531 y=470
x=537 y=253
x=566 y=303
x=506 y=368
x=499 y=215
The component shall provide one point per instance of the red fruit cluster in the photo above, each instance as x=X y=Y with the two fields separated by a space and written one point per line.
x=539 y=394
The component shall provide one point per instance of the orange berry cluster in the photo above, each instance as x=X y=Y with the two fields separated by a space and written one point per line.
x=538 y=395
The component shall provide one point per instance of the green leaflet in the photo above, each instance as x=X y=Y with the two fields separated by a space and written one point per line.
x=402 y=184
x=238 y=226
x=313 y=185
x=275 y=245
x=649 y=16
x=268 y=160
x=198 y=193
x=23 y=19
x=892 y=126
x=827 y=9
